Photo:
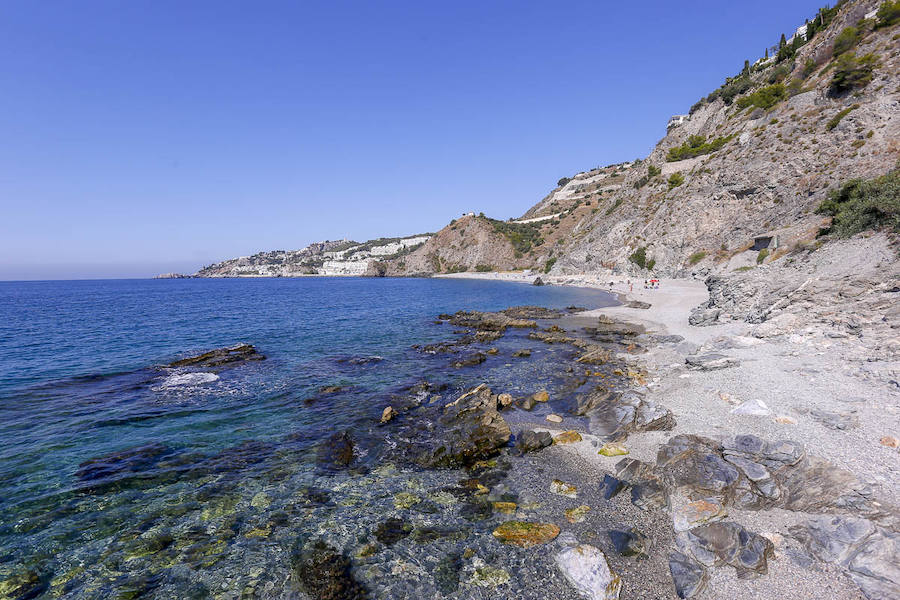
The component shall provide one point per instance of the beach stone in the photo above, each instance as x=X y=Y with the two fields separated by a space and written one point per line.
x=528 y=403
x=612 y=450
x=835 y=420
x=711 y=361
x=387 y=414
x=324 y=573
x=890 y=441
x=703 y=317
x=629 y=542
x=785 y=420
x=715 y=544
x=504 y=400
x=593 y=400
x=629 y=412
x=336 y=452
x=688 y=575
x=562 y=488
x=610 y=486
x=554 y=418
x=531 y=441
x=524 y=534
x=753 y=408
x=689 y=514
x=648 y=489
x=695 y=462
x=577 y=514
x=586 y=569
x=567 y=437
x=541 y=396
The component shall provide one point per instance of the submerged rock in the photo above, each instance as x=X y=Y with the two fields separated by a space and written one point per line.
x=392 y=530
x=220 y=357
x=524 y=534
x=533 y=312
x=467 y=430
x=324 y=573
x=586 y=568
x=130 y=460
x=336 y=452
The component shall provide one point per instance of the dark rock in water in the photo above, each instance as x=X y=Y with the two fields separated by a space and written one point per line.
x=551 y=337
x=610 y=486
x=220 y=357
x=614 y=416
x=130 y=460
x=469 y=429
x=537 y=281
x=392 y=531
x=313 y=496
x=575 y=309
x=23 y=585
x=336 y=452
x=476 y=511
x=446 y=573
x=528 y=403
x=711 y=361
x=689 y=577
x=487 y=321
x=630 y=542
x=531 y=441
x=360 y=360
x=469 y=361
x=532 y=312
x=727 y=543
x=524 y=353
x=424 y=535
x=324 y=573
x=324 y=391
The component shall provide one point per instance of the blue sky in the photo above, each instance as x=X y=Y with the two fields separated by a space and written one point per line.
x=140 y=137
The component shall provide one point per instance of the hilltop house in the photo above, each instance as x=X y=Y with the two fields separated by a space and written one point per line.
x=677 y=120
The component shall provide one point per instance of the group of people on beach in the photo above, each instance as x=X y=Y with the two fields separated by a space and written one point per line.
x=651 y=284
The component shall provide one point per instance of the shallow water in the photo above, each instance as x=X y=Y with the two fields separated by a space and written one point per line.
x=215 y=480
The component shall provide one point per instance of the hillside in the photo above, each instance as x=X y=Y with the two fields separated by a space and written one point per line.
x=757 y=156
x=733 y=184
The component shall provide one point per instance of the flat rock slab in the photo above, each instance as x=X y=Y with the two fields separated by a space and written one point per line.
x=524 y=534
x=711 y=361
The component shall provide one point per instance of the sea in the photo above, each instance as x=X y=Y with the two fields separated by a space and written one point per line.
x=123 y=478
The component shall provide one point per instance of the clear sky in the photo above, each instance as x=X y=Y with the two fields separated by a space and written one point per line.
x=147 y=136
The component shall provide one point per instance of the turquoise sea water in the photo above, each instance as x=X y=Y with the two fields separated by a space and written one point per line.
x=221 y=457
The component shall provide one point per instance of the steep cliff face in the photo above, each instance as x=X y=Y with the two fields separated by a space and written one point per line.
x=770 y=160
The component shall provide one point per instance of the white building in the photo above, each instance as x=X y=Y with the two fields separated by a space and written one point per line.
x=677 y=120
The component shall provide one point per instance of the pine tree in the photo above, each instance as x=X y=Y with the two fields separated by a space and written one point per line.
x=767 y=54
x=746 y=68
x=782 y=42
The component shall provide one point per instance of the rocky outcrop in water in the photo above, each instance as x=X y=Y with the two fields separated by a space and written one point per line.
x=324 y=573
x=220 y=358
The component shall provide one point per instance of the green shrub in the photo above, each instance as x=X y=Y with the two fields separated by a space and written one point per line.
x=612 y=208
x=762 y=256
x=563 y=181
x=675 y=179
x=888 y=13
x=484 y=268
x=696 y=257
x=653 y=171
x=845 y=40
x=861 y=204
x=742 y=269
x=833 y=121
x=549 y=264
x=764 y=98
x=809 y=67
x=779 y=73
x=852 y=72
x=521 y=235
x=696 y=145
x=639 y=257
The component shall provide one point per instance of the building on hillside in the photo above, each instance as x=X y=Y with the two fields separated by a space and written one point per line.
x=677 y=120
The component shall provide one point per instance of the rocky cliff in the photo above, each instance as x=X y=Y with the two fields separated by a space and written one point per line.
x=757 y=156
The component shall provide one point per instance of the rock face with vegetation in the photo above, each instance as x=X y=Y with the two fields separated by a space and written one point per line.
x=761 y=154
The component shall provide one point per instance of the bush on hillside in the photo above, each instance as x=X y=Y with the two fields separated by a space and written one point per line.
x=864 y=204
x=833 y=121
x=845 y=40
x=639 y=257
x=484 y=268
x=549 y=264
x=522 y=236
x=696 y=257
x=675 y=179
x=696 y=145
x=764 y=98
x=852 y=72
x=653 y=171
x=563 y=181
x=888 y=14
